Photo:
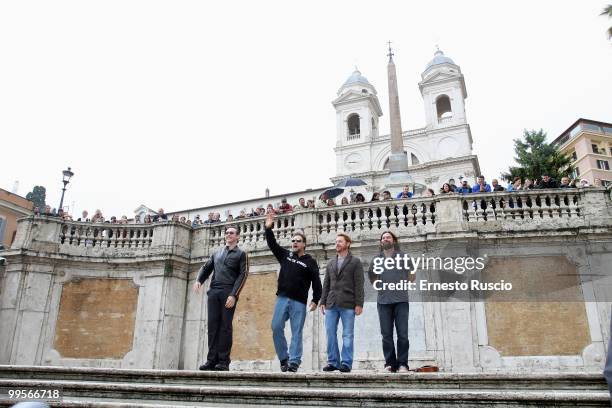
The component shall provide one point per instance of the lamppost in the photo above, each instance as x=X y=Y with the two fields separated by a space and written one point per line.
x=67 y=174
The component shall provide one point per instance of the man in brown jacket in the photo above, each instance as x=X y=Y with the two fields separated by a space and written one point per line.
x=342 y=299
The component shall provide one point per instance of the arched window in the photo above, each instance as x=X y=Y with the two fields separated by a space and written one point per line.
x=443 y=107
x=353 y=126
x=414 y=159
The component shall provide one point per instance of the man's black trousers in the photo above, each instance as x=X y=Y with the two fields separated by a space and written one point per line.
x=394 y=314
x=219 y=326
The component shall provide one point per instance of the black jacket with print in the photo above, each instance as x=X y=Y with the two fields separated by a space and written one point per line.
x=296 y=273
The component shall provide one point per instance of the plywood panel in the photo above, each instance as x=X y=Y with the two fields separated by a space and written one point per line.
x=96 y=318
x=555 y=325
x=253 y=318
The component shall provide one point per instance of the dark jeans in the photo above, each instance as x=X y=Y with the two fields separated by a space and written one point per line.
x=390 y=315
x=219 y=327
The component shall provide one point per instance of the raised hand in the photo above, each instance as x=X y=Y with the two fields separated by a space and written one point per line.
x=269 y=220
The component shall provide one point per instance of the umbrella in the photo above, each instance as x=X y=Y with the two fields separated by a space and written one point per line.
x=332 y=192
x=350 y=182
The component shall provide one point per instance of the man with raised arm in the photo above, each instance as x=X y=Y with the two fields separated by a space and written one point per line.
x=298 y=272
x=230 y=265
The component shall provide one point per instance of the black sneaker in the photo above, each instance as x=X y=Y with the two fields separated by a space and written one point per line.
x=221 y=367
x=208 y=366
x=293 y=367
x=283 y=365
x=345 y=369
x=329 y=368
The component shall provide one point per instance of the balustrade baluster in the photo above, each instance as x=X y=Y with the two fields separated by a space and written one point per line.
x=466 y=209
x=432 y=212
x=378 y=216
x=413 y=218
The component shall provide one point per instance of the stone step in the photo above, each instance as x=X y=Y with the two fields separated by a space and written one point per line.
x=89 y=387
x=174 y=395
x=373 y=380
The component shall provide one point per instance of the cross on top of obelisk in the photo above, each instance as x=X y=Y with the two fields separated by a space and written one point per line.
x=390 y=54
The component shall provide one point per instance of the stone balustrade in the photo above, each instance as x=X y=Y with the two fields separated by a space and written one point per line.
x=523 y=205
x=107 y=235
x=523 y=210
x=409 y=216
x=52 y=235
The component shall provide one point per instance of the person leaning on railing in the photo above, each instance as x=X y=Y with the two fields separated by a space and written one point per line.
x=481 y=186
x=547 y=182
x=405 y=193
x=464 y=188
x=565 y=183
x=446 y=189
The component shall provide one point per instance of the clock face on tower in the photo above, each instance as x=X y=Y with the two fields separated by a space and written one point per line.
x=353 y=161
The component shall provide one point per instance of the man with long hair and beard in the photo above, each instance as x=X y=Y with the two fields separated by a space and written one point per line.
x=392 y=304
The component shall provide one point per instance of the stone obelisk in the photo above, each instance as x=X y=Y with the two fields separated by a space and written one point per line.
x=398 y=160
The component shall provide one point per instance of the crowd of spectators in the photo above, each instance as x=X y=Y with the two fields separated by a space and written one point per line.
x=518 y=184
x=98 y=217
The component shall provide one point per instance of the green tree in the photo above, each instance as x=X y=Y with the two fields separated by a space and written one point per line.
x=535 y=157
x=37 y=196
x=607 y=11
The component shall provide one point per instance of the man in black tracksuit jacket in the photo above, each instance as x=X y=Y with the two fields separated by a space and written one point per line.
x=297 y=273
x=231 y=267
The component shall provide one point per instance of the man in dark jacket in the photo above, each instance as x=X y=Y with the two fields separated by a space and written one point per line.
x=392 y=304
x=342 y=299
x=230 y=265
x=495 y=186
x=548 y=182
x=298 y=271
x=565 y=183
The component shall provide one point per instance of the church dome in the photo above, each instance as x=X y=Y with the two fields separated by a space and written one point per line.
x=439 y=58
x=356 y=78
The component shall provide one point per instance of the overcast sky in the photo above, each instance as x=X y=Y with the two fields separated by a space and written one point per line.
x=185 y=104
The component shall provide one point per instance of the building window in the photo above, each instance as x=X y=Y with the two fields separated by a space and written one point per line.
x=589 y=126
x=595 y=148
x=576 y=172
x=443 y=108
x=373 y=124
x=574 y=156
x=2 y=228
x=603 y=165
x=415 y=160
x=353 y=126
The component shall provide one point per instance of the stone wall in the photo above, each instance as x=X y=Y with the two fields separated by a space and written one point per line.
x=76 y=294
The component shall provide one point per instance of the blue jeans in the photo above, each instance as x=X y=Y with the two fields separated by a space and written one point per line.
x=294 y=311
x=332 y=316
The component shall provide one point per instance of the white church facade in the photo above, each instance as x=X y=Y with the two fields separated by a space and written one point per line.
x=437 y=152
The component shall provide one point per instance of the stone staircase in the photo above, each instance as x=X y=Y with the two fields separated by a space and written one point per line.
x=95 y=387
